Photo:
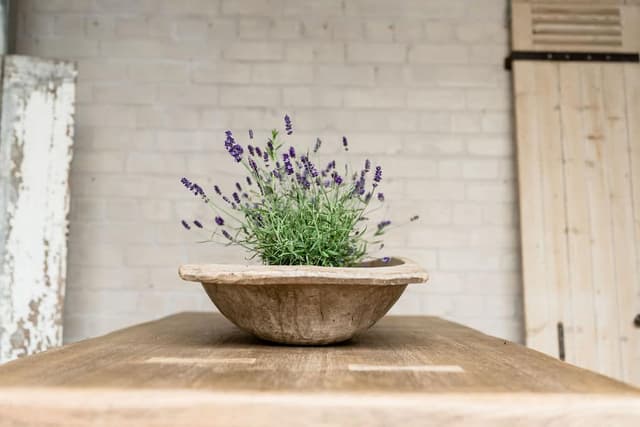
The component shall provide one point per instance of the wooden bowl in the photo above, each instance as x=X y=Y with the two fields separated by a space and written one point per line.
x=305 y=305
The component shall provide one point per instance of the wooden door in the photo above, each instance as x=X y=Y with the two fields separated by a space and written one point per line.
x=578 y=144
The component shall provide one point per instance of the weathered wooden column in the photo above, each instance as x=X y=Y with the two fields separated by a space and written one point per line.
x=36 y=136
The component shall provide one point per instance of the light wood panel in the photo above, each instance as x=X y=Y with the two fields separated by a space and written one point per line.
x=196 y=369
x=578 y=162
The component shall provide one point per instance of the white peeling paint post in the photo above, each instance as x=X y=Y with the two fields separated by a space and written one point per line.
x=36 y=137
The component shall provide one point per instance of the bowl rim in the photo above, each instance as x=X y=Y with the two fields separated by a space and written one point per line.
x=398 y=271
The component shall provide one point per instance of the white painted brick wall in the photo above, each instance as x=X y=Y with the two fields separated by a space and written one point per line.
x=418 y=85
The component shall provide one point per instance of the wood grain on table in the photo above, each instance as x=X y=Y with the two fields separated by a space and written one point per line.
x=197 y=369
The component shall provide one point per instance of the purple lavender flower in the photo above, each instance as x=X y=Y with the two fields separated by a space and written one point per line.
x=234 y=149
x=186 y=225
x=238 y=186
x=217 y=189
x=287 y=124
x=331 y=165
x=277 y=174
x=383 y=224
x=345 y=143
x=197 y=223
x=219 y=220
x=251 y=150
x=414 y=218
x=336 y=178
x=287 y=164
x=253 y=166
x=385 y=259
x=367 y=197
x=317 y=146
x=292 y=152
x=194 y=188
x=309 y=167
x=265 y=156
x=249 y=182
x=250 y=133
x=226 y=234
x=226 y=199
x=258 y=151
x=381 y=197
x=236 y=198
x=378 y=176
x=367 y=165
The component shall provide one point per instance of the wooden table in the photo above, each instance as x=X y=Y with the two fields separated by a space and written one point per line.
x=197 y=369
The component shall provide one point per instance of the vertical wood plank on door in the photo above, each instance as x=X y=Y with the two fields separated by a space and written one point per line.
x=632 y=93
x=35 y=147
x=553 y=194
x=581 y=331
x=620 y=197
x=604 y=285
x=539 y=323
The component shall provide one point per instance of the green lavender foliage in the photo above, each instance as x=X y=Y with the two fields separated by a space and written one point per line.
x=290 y=213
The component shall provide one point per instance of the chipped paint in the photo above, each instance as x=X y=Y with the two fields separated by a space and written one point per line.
x=36 y=138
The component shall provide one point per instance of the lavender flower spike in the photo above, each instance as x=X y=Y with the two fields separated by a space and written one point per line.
x=345 y=143
x=381 y=197
x=185 y=224
x=250 y=133
x=197 y=223
x=378 y=176
x=219 y=220
x=292 y=152
x=317 y=146
x=226 y=234
x=287 y=124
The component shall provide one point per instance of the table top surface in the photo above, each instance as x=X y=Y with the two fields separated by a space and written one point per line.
x=400 y=357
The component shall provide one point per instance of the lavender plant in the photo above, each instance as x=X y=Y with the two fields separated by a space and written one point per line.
x=290 y=211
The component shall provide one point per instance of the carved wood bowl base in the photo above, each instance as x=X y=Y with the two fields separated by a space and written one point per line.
x=305 y=305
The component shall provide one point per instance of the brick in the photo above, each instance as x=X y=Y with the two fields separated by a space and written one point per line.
x=488 y=99
x=496 y=123
x=439 y=31
x=99 y=70
x=87 y=209
x=316 y=28
x=379 y=31
x=408 y=31
x=250 y=96
x=254 y=51
x=155 y=163
x=182 y=94
x=375 y=98
x=468 y=260
x=480 y=169
x=311 y=97
x=466 y=123
x=435 y=122
x=438 y=54
x=344 y=75
x=189 y=7
x=123 y=93
x=433 y=144
x=491 y=191
x=282 y=73
x=98 y=161
x=106 y=115
x=376 y=53
x=166 y=117
x=253 y=28
x=151 y=71
x=221 y=72
x=437 y=189
x=191 y=29
x=251 y=7
x=449 y=169
x=436 y=99
x=491 y=145
x=69 y=25
x=348 y=29
x=468 y=214
x=454 y=75
x=285 y=29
